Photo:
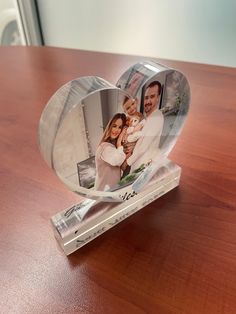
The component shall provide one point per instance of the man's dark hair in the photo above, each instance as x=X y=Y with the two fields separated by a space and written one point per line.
x=155 y=83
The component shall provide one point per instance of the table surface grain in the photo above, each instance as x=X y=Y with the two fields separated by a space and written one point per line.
x=177 y=255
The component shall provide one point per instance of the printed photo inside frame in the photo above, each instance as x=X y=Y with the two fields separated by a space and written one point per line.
x=121 y=150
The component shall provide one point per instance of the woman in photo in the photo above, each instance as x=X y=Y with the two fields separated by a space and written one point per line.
x=110 y=154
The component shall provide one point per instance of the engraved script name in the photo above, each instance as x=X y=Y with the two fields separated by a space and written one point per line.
x=80 y=242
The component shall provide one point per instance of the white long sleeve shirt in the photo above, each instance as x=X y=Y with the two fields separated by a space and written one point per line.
x=108 y=160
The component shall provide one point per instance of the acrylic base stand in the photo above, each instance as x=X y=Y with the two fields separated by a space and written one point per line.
x=83 y=222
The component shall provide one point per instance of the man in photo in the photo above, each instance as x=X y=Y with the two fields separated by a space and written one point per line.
x=147 y=146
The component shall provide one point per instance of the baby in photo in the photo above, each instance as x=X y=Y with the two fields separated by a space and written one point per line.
x=135 y=123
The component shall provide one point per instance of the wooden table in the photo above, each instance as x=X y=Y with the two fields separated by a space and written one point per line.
x=177 y=255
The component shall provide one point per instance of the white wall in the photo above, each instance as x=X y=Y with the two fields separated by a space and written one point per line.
x=191 y=30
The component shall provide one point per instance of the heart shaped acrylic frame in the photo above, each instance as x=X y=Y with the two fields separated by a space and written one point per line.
x=104 y=141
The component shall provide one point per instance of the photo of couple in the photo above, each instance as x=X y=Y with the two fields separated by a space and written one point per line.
x=131 y=140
